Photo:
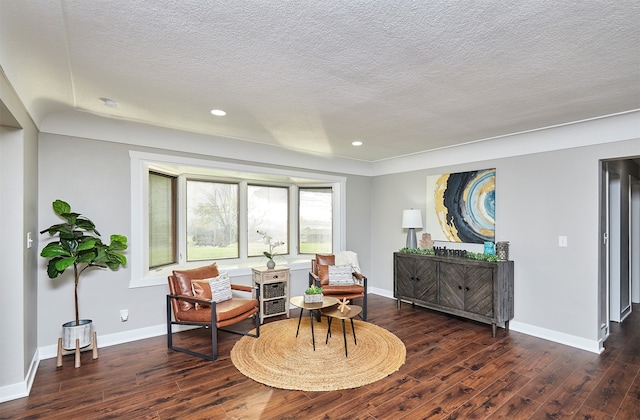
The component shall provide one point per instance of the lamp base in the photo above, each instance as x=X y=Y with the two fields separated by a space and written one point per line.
x=412 y=242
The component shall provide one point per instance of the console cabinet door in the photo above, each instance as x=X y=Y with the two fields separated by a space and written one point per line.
x=452 y=285
x=478 y=290
x=404 y=284
x=426 y=280
x=467 y=287
x=416 y=278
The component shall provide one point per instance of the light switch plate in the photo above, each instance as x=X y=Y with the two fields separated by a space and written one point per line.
x=562 y=241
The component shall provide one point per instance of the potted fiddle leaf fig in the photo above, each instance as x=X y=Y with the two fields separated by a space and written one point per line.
x=79 y=245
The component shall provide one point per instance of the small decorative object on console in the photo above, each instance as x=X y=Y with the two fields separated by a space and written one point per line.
x=489 y=248
x=426 y=242
x=502 y=250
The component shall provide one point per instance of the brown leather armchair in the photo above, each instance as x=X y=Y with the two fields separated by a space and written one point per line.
x=319 y=275
x=189 y=309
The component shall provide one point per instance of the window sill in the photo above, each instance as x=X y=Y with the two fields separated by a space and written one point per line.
x=159 y=277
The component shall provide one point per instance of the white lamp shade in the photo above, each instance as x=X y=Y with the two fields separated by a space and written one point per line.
x=412 y=218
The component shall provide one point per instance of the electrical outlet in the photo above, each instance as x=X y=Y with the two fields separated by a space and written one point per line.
x=562 y=241
x=124 y=315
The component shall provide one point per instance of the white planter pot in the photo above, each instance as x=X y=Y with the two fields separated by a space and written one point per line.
x=71 y=331
x=313 y=298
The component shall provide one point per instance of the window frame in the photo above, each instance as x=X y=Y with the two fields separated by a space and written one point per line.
x=288 y=244
x=174 y=217
x=311 y=187
x=196 y=178
x=142 y=162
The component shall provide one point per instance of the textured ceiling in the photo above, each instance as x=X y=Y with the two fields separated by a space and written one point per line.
x=402 y=76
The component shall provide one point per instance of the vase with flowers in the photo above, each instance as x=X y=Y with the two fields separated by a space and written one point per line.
x=268 y=239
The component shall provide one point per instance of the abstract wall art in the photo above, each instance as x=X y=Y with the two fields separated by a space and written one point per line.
x=461 y=206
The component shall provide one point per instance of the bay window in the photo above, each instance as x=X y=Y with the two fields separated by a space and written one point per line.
x=188 y=212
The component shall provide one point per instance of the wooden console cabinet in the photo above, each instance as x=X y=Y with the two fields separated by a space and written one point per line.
x=478 y=290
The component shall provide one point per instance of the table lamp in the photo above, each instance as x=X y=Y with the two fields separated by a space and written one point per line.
x=412 y=219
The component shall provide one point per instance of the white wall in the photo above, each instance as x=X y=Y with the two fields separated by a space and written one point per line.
x=539 y=196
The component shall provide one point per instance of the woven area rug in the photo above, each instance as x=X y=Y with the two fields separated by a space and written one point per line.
x=281 y=360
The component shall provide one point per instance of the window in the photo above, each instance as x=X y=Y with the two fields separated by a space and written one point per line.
x=315 y=233
x=162 y=220
x=187 y=212
x=267 y=211
x=212 y=220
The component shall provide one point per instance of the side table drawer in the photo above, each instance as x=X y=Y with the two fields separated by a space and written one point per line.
x=275 y=275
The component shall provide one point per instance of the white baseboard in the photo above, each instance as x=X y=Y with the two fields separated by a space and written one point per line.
x=48 y=352
x=380 y=292
x=557 y=337
x=21 y=389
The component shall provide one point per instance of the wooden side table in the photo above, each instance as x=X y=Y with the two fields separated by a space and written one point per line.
x=334 y=312
x=274 y=290
x=311 y=307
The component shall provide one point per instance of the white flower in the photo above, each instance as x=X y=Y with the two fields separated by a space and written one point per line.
x=267 y=239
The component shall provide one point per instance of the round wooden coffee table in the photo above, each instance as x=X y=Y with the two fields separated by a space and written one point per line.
x=311 y=307
x=334 y=312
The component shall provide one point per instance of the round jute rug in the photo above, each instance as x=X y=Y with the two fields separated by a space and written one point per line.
x=278 y=359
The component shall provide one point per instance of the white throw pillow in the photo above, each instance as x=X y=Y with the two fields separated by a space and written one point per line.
x=340 y=275
x=220 y=287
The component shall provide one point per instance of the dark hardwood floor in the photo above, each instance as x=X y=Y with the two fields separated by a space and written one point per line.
x=454 y=370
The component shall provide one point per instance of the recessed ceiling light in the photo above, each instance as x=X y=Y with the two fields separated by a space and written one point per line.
x=218 y=112
x=109 y=102
x=357 y=143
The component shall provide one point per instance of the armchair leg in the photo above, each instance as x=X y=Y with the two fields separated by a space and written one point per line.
x=364 y=307
x=214 y=336
x=214 y=333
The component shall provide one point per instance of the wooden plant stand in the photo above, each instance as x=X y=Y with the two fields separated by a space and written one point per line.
x=93 y=346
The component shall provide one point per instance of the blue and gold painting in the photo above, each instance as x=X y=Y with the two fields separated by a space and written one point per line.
x=461 y=206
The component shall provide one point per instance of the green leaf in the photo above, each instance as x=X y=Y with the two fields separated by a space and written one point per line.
x=53 y=250
x=69 y=245
x=64 y=263
x=60 y=207
x=118 y=243
x=52 y=271
x=70 y=217
x=86 y=257
x=86 y=224
x=86 y=243
x=122 y=260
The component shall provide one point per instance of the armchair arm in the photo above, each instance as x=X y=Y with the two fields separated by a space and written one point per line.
x=242 y=288
x=191 y=299
x=313 y=279
x=248 y=289
x=361 y=279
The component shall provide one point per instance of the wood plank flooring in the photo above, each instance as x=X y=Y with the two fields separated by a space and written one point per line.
x=454 y=370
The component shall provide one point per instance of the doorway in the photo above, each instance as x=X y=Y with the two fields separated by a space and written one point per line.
x=620 y=232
